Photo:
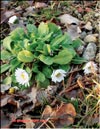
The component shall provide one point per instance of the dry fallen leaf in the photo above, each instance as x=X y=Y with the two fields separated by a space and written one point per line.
x=66 y=114
x=63 y=115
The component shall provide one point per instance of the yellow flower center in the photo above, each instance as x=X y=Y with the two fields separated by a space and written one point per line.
x=23 y=76
x=58 y=74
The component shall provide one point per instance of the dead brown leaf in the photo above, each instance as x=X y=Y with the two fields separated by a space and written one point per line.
x=63 y=115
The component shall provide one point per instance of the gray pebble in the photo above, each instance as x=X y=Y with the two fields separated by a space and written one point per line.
x=90 y=51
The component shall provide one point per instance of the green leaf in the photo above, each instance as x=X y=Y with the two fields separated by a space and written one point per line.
x=14 y=64
x=5 y=55
x=7 y=80
x=43 y=29
x=25 y=56
x=63 y=57
x=7 y=43
x=46 y=59
x=65 y=67
x=54 y=28
x=35 y=68
x=17 y=34
x=44 y=84
x=68 y=39
x=40 y=77
x=47 y=71
x=76 y=43
x=31 y=28
x=78 y=60
x=4 y=68
x=58 y=41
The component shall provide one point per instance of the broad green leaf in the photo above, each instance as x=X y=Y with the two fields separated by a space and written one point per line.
x=7 y=80
x=44 y=84
x=78 y=60
x=65 y=67
x=5 y=55
x=43 y=29
x=40 y=77
x=68 y=39
x=54 y=28
x=17 y=34
x=25 y=56
x=46 y=59
x=63 y=57
x=14 y=63
x=58 y=40
x=47 y=37
x=32 y=46
x=4 y=68
x=76 y=43
x=47 y=71
x=31 y=28
x=7 y=43
x=47 y=49
x=35 y=68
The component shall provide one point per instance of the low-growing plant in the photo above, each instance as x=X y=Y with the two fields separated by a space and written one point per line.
x=38 y=51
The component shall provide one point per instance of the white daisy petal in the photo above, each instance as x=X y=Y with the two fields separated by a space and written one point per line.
x=58 y=75
x=12 y=19
x=22 y=77
x=90 y=67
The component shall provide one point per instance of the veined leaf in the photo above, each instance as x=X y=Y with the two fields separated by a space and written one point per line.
x=25 y=56
x=5 y=55
x=43 y=29
x=7 y=43
x=14 y=64
x=17 y=34
x=78 y=60
x=4 y=68
x=31 y=28
x=40 y=77
x=46 y=59
x=7 y=80
x=56 y=41
x=54 y=28
x=76 y=43
x=47 y=71
x=63 y=57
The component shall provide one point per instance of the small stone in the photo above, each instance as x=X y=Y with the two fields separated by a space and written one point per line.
x=83 y=35
x=30 y=9
x=90 y=51
x=80 y=49
x=90 y=38
x=88 y=26
x=97 y=58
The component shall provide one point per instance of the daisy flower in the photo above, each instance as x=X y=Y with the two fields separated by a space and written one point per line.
x=22 y=77
x=90 y=67
x=12 y=19
x=58 y=75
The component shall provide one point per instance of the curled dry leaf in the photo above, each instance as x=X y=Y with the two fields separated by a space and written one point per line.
x=64 y=115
